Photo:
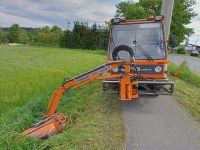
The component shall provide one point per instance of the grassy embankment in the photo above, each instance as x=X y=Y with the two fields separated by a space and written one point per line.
x=187 y=89
x=28 y=77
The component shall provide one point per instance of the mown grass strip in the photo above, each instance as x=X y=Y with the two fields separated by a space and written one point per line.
x=187 y=88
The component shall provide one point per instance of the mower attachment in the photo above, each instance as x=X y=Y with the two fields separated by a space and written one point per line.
x=47 y=127
x=53 y=122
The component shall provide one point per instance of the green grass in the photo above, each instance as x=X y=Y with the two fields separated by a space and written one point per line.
x=188 y=95
x=186 y=74
x=28 y=77
x=27 y=71
x=187 y=89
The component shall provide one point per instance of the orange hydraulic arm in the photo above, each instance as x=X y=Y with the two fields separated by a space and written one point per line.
x=82 y=80
x=55 y=122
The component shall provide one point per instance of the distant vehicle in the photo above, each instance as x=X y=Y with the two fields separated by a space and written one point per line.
x=189 y=49
x=173 y=48
x=194 y=53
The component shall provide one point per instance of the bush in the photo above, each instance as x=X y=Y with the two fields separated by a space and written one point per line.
x=181 y=50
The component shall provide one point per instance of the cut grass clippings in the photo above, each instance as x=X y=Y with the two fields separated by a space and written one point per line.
x=189 y=95
x=28 y=77
x=187 y=88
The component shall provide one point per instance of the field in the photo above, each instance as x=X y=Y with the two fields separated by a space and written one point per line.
x=28 y=76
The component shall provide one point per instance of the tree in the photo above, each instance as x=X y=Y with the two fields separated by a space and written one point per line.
x=182 y=14
x=56 y=36
x=66 y=40
x=57 y=30
x=24 y=37
x=14 y=33
x=47 y=36
x=131 y=10
x=17 y=35
x=84 y=36
x=3 y=36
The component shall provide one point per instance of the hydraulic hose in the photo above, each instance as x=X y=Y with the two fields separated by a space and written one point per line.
x=131 y=53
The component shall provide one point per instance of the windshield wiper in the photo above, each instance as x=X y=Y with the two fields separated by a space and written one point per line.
x=138 y=46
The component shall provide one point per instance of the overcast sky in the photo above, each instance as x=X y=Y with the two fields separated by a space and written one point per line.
x=37 y=13
x=196 y=21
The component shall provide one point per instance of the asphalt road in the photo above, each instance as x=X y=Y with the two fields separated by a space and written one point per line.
x=159 y=123
x=193 y=62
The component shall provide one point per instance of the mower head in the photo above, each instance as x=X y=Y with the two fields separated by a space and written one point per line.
x=47 y=127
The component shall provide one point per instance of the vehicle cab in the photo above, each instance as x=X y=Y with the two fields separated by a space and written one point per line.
x=148 y=42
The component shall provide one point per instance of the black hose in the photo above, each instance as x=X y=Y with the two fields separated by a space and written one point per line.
x=131 y=53
x=122 y=48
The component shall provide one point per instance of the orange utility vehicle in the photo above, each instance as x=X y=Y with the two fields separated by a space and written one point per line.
x=147 y=40
x=137 y=64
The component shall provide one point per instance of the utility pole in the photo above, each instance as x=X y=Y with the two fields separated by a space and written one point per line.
x=167 y=9
x=68 y=23
x=196 y=43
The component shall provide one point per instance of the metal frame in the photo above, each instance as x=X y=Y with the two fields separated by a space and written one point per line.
x=146 y=87
x=156 y=87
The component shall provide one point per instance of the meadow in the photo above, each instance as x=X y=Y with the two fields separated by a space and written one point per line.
x=29 y=75
x=26 y=71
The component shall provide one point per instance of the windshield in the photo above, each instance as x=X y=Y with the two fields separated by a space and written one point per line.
x=149 y=36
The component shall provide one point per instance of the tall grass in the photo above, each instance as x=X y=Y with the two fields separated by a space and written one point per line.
x=26 y=72
x=28 y=77
x=185 y=73
x=95 y=122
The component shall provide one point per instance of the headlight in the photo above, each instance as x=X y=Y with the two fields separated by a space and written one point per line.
x=158 y=69
x=158 y=18
x=116 y=20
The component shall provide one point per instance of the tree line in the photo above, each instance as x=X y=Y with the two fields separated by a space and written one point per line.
x=183 y=13
x=82 y=36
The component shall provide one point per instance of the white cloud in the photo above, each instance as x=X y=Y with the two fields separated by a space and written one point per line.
x=196 y=21
x=7 y=19
x=45 y=12
x=48 y=12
